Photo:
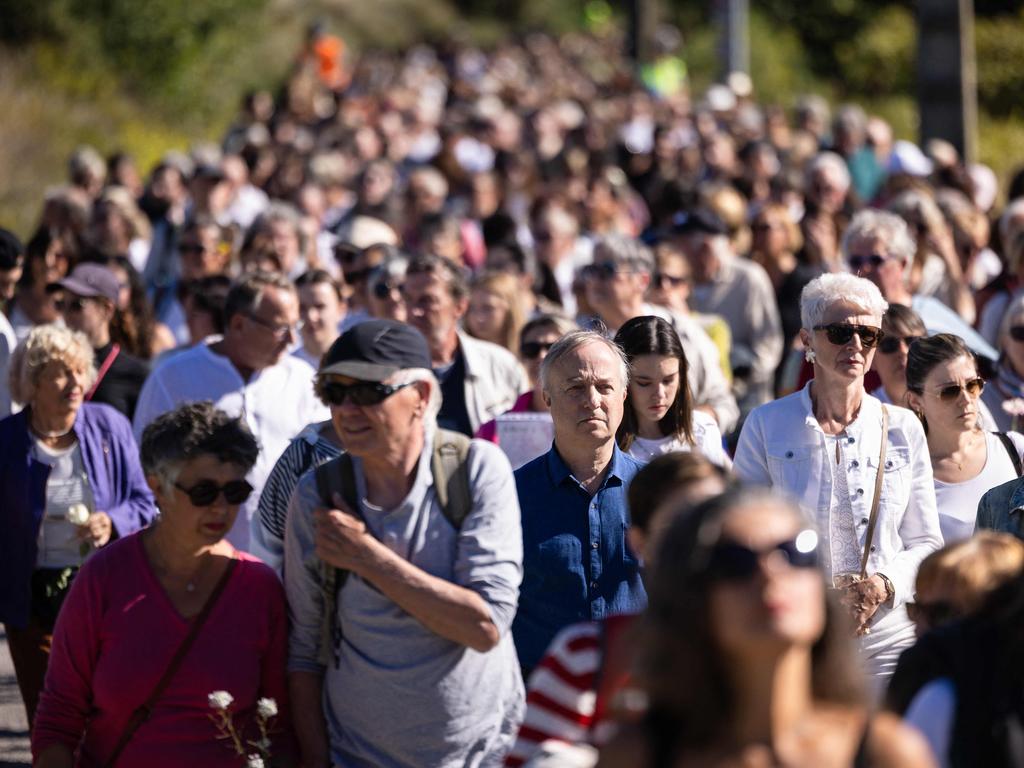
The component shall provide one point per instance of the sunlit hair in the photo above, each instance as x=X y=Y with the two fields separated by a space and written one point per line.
x=666 y=476
x=966 y=572
x=823 y=292
x=692 y=705
x=899 y=319
x=192 y=430
x=549 y=322
x=883 y=226
x=651 y=335
x=573 y=341
x=506 y=287
x=780 y=213
x=829 y=161
x=624 y=251
x=44 y=345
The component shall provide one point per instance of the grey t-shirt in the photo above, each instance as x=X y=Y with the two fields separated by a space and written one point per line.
x=400 y=694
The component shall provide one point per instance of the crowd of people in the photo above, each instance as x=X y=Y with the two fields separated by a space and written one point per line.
x=479 y=408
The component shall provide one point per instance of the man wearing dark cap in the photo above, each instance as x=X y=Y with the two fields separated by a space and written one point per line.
x=739 y=291
x=12 y=259
x=420 y=668
x=88 y=305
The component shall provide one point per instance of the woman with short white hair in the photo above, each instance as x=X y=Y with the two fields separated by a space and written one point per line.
x=858 y=469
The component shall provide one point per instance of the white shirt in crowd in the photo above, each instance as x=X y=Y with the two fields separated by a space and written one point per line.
x=8 y=341
x=276 y=403
x=707 y=439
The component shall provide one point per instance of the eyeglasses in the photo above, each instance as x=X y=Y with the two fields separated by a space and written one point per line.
x=1017 y=332
x=531 y=349
x=973 y=388
x=890 y=344
x=730 y=561
x=205 y=492
x=190 y=248
x=606 y=270
x=361 y=393
x=932 y=614
x=281 y=332
x=76 y=304
x=383 y=290
x=843 y=333
x=859 y=263
x=660 y=278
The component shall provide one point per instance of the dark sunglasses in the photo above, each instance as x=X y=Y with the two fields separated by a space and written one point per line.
x=190 y=248
x=730 y=561
x=72 y=305
x=973 y=388
x=843 y=333
x=890 y=344
x=660 y=278
x=857 y=263
x=361 y=393
x=383 y=290
x=354 y=276
x=606 y=270
x=532 y=349
x=932 y=614
x=1017 y=332
x=205 y=492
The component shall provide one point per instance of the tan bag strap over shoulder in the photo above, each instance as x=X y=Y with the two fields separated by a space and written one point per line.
x=876 y=499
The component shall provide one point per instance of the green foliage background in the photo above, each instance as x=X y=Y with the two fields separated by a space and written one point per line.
x=149 y=75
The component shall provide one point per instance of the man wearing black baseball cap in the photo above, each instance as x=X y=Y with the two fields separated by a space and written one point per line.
x=89 y=305
x=421 y=620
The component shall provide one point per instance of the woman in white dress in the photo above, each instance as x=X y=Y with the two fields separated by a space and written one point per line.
x=659 y=415
x=944 y=390
x=859 y=470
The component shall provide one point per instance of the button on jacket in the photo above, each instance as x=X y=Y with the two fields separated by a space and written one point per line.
x=782 y=446
x=576 y=563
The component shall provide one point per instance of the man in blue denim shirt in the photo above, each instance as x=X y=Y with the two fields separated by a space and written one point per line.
x=576 y=563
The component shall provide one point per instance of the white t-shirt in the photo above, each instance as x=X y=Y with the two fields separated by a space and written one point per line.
x=8 y=341
x=958 y=502
x=277 y=403
x=66 y=486
x=707 y=439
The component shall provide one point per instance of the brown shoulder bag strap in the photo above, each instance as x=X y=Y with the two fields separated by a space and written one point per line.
x=142 y=713
x=873 y=518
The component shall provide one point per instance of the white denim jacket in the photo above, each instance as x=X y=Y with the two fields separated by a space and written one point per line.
x=782 y=446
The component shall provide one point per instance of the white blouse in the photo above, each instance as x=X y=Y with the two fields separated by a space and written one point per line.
x=707 y=439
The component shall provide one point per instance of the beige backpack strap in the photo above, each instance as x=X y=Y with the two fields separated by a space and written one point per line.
x=450 y=470
x=876 y=499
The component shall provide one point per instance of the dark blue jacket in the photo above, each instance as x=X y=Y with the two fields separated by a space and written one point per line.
x=111 y=461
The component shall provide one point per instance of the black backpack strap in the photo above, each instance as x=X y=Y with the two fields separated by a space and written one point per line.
x=335 y=476
x=450 y=469
x=1011 y=449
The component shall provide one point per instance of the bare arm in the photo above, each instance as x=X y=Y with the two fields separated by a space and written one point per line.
x=893 y=744
x=306 y=689
x=55 y=756
x=453 y=612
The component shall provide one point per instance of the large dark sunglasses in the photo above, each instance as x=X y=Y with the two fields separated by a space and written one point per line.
x=932 y=614
x=361 y=393
x=973 y=388
x=890 y=344
x=843 y=333
x=660 y=278
x=383 y=290
x=205 y=492
x=1017 y=332
x=76 y=304
x=606 y=270
x=532 y=349
x=730 y=561
x=858 y=263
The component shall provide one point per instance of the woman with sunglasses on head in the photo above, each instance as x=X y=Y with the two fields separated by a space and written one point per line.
x=944 y=390
x=744 y=657
x=860 y=470
x=659 y=416
x=164 y=618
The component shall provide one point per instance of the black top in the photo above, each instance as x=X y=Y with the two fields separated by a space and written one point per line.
x=453 y=414
x=121 y=384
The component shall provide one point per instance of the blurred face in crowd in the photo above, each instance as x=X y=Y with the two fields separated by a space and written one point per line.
x=771 y=237
x=1012 y=347
x=266 y=334
x=284 y=238
x=386 y=300
x=382 y=431
x=613 y=287
x=827 y=190
x=89 y=314
x=432 y=309
x=891 y=359
x=554 y=240
x=377 y=184
x=203 y=254
x=109 y=230
x=586 y=395
x=948 y=413
x=8 y=281
x=670 y=283
x=321 y=312
x=843 y=362
x=778 y=605
x=487 y=315
x=702 y=251
x=871 y=258
x=533 y=348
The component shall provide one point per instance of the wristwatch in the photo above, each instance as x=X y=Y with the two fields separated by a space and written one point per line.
x=890 y=590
